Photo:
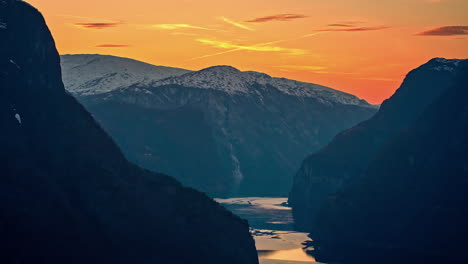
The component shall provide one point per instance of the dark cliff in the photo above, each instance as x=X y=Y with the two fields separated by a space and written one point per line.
x=350 y=153
x=68 y=195
x=411 y=203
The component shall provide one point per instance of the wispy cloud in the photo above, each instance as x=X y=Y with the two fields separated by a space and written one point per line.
x=340 y=25
x=259 y=47
x=236 y=24
x=112 y=46
x=354 y=29
x=279 y=17
x=177 y=26
x=315 y=69
x=347 y=23
x=97 y=25
x=445 y=31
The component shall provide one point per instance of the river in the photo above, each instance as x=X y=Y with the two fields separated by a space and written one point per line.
x=272 y=226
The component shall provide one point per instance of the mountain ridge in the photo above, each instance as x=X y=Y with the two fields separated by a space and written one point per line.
x=233 y=81
x=325 y=172
x=221 y=77
x=410 y=204
x=225 y=125
x=89 y=74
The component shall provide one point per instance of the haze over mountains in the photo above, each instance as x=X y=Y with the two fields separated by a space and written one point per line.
x=219 y=130
x=68 y=195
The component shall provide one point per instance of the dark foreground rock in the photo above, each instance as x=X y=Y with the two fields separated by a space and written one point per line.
x=411 y=204
x=348 y=156
x=68 y=195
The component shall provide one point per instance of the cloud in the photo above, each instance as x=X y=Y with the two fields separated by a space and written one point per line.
x=317 y=69
x=257 y=47
x=354 y=29
x=347 y=23
x=97 y=25
x=112 y=46
x=265 y=47
x=445 y=31
x=340 y=25
x=177 y=26
x=280 y=17
x=298 y=51
x=227 y=20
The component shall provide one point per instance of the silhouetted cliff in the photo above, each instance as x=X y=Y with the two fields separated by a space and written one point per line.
x=350 y=153
x=412 y=201
x=68 y=195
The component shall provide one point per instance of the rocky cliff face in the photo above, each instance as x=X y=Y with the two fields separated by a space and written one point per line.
x=411 y=203
x=68 y=195
x=221 y=130
x=349 y=154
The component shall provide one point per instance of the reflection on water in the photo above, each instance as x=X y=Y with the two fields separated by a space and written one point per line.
x=295 y=254
x=272 y=224
x=262 y=213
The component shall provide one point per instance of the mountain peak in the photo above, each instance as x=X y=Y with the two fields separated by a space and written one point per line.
x=233 y=81
x=87 y=74
x=221 y=69
x=443 y=64
x=444 y=60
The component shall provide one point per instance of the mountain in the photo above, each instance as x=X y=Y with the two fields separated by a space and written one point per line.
x=411 y=203
x=349 y=154
x=221 y=130
x=68 y=195
x=88 y=74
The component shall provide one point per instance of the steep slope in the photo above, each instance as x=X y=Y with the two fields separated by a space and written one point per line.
x=87 y=74
x=68 y=195
x=412 y=200
x=224 y=131
x=349 y=154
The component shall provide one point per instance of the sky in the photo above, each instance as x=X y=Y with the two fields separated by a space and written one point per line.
x=363 y=47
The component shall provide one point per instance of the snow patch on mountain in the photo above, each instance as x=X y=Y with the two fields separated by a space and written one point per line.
x=442 y=64
x=89 y=74
x=86 y=75
x=233 y=81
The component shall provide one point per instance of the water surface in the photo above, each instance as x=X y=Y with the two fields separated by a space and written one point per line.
x=272 y=227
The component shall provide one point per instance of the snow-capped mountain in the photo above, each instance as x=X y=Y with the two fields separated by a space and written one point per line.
x=233 y=81
x=220 y=130
x=88 y=74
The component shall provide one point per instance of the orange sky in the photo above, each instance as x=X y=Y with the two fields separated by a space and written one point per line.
x=364 y=47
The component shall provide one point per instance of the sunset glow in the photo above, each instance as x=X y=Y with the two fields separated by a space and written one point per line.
x=359 y=46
